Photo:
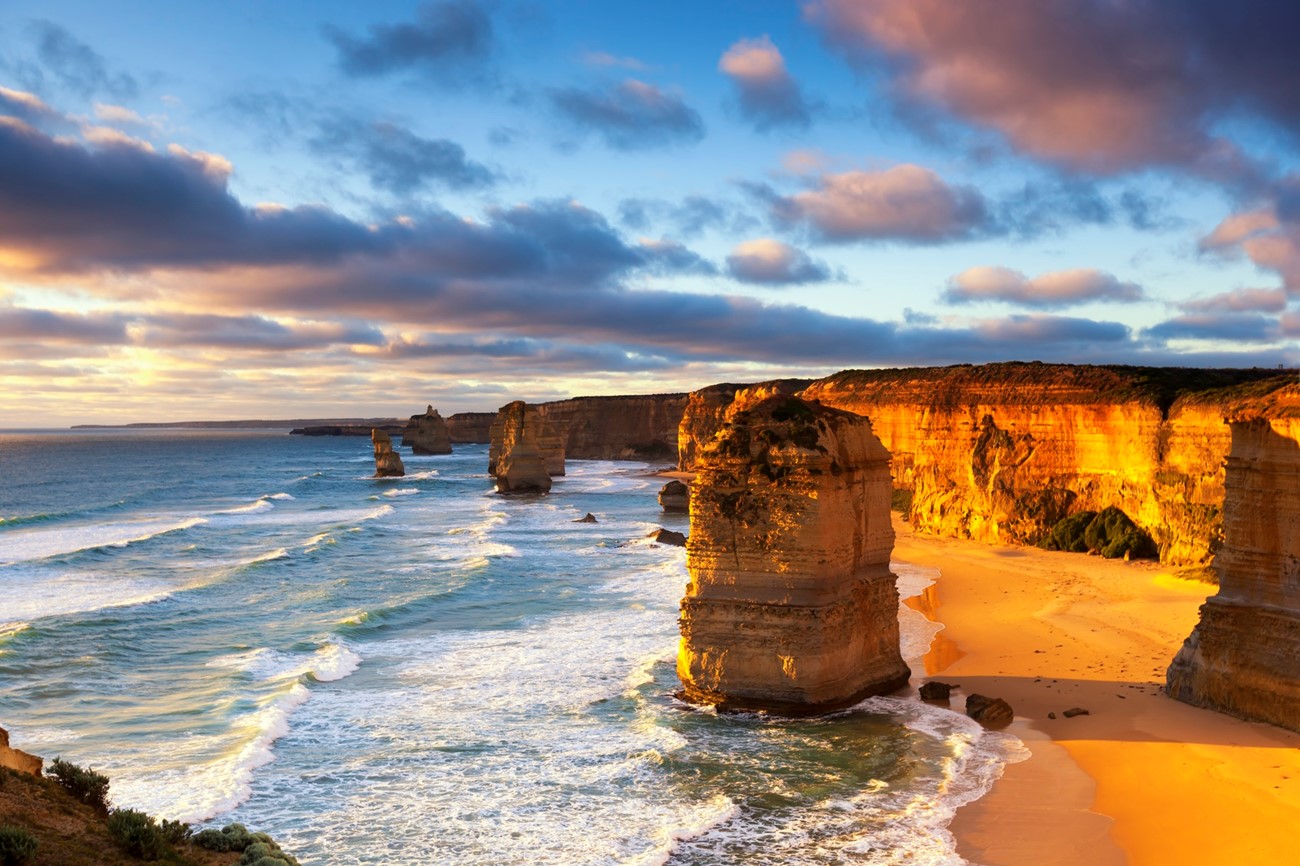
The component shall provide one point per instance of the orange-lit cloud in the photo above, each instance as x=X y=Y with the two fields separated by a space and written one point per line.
x=1053 y=289
x=768 y=95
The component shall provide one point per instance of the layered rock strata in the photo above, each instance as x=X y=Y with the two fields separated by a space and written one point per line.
x=516 y=422
x=1002 y=452
x=1244 y=656
x=387 y=463
x=642 y=427
x=470 y=428
x=791 y=607
x=522 y=469
x=707 y=409
x=15 y=759
x=427 y=433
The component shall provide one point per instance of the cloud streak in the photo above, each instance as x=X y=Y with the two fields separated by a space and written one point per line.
x=630 y=116
x=1053 y=290
x=449 y=42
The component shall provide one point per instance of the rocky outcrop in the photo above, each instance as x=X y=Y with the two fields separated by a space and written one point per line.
x=1244 y=656
x=427 y=433
x=675 y=496
x=14 y=759
x=617 y=428
x=989 y=712
x=522 y=469
x=791 y=606
x=707 y=409
x=387 y=463
x=1003 y=452
x=518 y=422
x=470 y=428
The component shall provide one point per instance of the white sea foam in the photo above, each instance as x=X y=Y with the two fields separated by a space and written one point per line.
x=281 y=496
x=402 y=491
x=263 y=504
x=36 y=595
x=269 y=556
x=34 y=544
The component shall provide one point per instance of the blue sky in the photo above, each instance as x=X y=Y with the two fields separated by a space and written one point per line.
x=294 y=209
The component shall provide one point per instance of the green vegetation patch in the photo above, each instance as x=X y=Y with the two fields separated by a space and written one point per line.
x=901 y=501
x=83 y=783
x=1110 y=532
x=138 y=834
x=16 y=845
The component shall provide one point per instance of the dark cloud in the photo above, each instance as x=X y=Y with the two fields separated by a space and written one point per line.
x=690 y=217
x=399 y=161
x=29 y=108
x=1095 y=86
x=249 y=332
x=770 y=262
x=767 y=94
x=631 y=116
x=77 y=66
x=451 y=41
x=539 y=355
x=20 y=323
x=1230 y=327
x=1054 y=290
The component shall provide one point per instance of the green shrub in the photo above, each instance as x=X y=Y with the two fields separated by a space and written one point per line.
x=232 y=837
x=138 y=834
x=901 y=501
x=16 y=845
x=1068 y=534
x=175 y=832
x=266 y=853
x=83 y=783
x=1110 y=532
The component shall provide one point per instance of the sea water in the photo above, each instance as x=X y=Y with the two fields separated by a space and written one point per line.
x=246 y=626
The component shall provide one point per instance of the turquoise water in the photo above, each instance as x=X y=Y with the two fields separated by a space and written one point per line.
x=245 y=626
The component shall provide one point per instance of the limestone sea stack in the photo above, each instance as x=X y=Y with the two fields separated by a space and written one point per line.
x=791 y=607
x=513 y=422
x=1244 y=656
x=522 y=469
x=387 y=463
x=427 y=433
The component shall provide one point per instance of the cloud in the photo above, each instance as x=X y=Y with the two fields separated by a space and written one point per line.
x=631 y=116
x=690 y=217
x=768 y=95
x=248 y=332
x=1272 y=243
x=538 y=355
x=672 y=257
x=1101 y=87
x=906 y=202
x=398 y=160
x=770 y=262
x=1240 y=301
x=77 y=66
x=1055 y=289
x=450 y=41
x=28 y=108
x=606 y=60
x=20 y=323
x=1223 y=326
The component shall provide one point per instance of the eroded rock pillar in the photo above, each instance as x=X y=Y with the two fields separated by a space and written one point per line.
x=791 y=606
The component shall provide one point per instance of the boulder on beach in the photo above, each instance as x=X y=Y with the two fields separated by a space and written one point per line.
x=936 y=691
x=989 y=712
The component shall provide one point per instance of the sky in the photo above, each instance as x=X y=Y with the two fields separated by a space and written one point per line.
x=325 y=209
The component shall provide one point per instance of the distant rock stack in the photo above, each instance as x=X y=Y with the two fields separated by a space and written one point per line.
x=20 y=761
x=427 y=433
x=675 y=497
x=387 y=463
x=1243 y=657
x=512 y=422
x=791 y=607
x=522 y=469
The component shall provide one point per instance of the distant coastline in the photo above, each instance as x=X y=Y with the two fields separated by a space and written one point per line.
x=248 y=424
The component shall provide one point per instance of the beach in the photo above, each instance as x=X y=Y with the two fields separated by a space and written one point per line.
x=1141 y=779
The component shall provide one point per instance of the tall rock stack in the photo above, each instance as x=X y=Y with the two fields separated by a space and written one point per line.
x=512 y=421
x=1244 y=656
x=387 y=463
x=427 y=433
x=791 y=607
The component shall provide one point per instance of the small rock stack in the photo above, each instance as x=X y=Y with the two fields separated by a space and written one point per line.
x=387 y=463
x=427 y=433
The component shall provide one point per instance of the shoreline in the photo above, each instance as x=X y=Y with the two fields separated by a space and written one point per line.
x=1142 y=779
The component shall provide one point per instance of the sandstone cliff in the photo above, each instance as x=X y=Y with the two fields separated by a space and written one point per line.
x=1244 y=655
x=706 y=410
x=470 y=427
x=791 y=606
x=387 y=463
x=14 y=759
x=1001 y=452
x=517 y=424
x=618 y=428
x=427 y=433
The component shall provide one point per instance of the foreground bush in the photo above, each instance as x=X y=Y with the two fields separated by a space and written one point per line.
x=16 y=845
x=85 y=784
x=1110 y=532
x=138 y=834
x=258 y=849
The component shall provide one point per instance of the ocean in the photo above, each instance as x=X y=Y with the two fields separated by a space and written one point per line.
x=245 y=626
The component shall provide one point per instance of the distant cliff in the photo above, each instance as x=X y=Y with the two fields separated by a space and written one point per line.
x=618 y=428
x=1001 y=452
x=470 y=427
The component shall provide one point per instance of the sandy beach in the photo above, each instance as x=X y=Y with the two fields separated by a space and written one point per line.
x=1141 y=779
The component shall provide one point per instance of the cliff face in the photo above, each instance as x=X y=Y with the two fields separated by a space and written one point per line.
x=1244 y=656
x=14 y=759
x=1001 y=452
x=519 y=424
x=427 y=433
x=791 y=606
x=706 y=410
x=618 y=428
x=470 y=427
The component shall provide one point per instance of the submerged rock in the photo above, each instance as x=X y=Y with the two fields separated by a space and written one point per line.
x=791 y=607
x=936 y=691
x=675 y=497
x=590 y=518
x=667 y=536
x=427 y=433
x=387 y=463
